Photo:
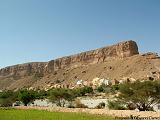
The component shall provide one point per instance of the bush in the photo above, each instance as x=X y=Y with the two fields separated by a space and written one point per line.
x=78 y=104
x=41 y=94
x=60 y=96
x=82 y=91
x=105 y=89
x=100 y=106
x=26 y=96
x=70 y=106
x=88 y=89
x=7 y=98
x=6 y=102
x=115 y=105
x=131 y=106
x=114 y=88
x=142 y=94
x=100 y=89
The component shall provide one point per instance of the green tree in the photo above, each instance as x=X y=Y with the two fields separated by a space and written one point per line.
x=26 y=96
x=114 y=88
x=60 y=96
x=39 y=94
x=116 y=105
x=101 y=89
x=87 y=89
x=82 y=91
x=142 y=94
x=7 y=98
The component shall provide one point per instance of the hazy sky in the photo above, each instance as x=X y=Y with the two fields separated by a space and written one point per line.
x=41 y=30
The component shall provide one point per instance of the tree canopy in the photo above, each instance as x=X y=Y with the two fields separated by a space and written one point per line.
x=7 y=98
x=26 y=96
x=60 y=96
x=144 y=95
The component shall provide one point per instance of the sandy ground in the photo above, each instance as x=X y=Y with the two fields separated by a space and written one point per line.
x=118 y=113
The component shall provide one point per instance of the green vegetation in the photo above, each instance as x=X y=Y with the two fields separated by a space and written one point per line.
x=107 y=89
x=115 y=105
x=140 y=95
x=26 y=96
x=101 y=88
x=82 y=91
x=61 y=96
x=13 y=114
x=101 y=105
x=7 y=98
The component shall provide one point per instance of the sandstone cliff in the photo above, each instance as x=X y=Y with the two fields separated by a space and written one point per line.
x=120 y=50
x=112 y=62
x=23 y=69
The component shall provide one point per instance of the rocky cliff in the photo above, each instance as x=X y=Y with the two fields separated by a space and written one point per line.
x=67 y=68
x=23 y=69
x=120 y=50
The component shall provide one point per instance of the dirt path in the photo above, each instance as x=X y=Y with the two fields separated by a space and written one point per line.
x=118 y=113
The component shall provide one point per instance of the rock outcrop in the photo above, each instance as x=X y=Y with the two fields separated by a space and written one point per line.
x=22 y=70
x=112 y=63
x=120 y=50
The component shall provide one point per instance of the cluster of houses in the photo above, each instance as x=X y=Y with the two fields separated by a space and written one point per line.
x=94 y=83
x=97 y=81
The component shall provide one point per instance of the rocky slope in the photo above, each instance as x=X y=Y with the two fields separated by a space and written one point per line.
x=113 y=62
x=121 y=50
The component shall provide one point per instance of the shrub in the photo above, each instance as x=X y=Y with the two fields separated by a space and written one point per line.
x=26 y=96
x=6 y=102
x=103 y=88
x=78 y=104
x=100 y=89
x=7 y=98
x=114 y=88
x=60 y=96
x=70 y=106
x=100 y=106
x=142 y=94
x=115 y=105
x=82 y=91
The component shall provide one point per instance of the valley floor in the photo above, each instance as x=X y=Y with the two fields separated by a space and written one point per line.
x=30 y=114
x=117 y=113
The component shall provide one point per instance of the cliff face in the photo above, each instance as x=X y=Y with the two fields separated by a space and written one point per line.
x=22 y=70
x=120 y=50
x=113 y=62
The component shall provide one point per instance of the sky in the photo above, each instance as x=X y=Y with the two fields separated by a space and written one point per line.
x=42 y=30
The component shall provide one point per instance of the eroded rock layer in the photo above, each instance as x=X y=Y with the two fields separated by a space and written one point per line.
x=120 y=50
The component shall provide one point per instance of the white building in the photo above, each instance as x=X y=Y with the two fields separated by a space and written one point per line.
x=79 y=82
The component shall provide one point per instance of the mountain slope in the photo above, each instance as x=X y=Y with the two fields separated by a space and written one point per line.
x=114 y=62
